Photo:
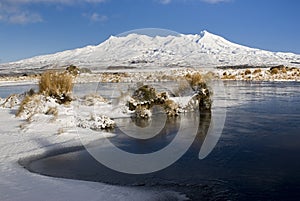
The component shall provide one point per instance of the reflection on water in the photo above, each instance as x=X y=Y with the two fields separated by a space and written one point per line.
x=257 y=157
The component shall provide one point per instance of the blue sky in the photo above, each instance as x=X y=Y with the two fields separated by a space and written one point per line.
x=34 y=27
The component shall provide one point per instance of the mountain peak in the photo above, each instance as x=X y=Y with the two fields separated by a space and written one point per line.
x=140 y=50
x=202 y=33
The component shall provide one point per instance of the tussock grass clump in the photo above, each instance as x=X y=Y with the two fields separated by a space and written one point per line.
x=24 y=104
x=284 y=70
x=194 y=79
x=52 y=111
x=54 y=88
x=202 y=91
x=256 y=71
x=274 y=71
x=58 y=85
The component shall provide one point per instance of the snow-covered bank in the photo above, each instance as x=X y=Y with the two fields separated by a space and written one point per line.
x=18 y=184
x=33 y=123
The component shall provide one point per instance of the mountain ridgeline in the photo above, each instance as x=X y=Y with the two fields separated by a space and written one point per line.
x=141 y=51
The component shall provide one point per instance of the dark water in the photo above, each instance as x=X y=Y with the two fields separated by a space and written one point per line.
x=256 y=158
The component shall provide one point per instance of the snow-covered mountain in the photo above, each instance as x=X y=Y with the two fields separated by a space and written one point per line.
x=199 y=50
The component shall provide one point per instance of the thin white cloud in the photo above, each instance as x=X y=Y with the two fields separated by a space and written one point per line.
x=165 y=1
x=96 y=17
x=215 y=1
x=24 y=18
x=51 y=1
x=18 y=12
x=205 y=1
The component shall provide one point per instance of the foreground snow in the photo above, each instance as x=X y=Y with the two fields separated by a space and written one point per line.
x=18 y=184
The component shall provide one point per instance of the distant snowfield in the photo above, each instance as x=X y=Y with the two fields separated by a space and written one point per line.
x=199 y=51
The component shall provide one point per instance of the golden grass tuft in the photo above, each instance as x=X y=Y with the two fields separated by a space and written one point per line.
x=284 y=70
x=194 y=79
x=229 y=77
x=25 y=102
x=256 y=71
x=58 y=85
x=52 y=111
x=274 y=71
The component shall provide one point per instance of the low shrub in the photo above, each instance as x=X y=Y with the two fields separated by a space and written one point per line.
x=145 y=93
x=171 y=108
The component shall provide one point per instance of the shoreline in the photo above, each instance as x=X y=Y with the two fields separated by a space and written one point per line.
x=276 y=73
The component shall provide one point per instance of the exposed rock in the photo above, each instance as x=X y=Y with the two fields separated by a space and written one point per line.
x=85 y=70
x=139 y=62
x=73 y=70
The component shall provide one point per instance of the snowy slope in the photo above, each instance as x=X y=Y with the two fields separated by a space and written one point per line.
x=199 y=50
